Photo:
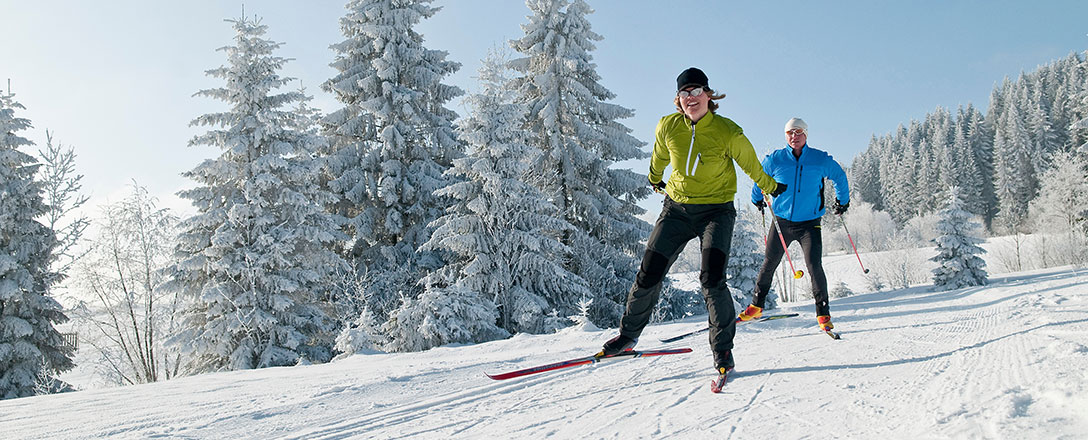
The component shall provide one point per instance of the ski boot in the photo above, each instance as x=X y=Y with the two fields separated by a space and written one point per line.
x=617 y=345
x=723 y=364
x=826 y=326
x=752 y=312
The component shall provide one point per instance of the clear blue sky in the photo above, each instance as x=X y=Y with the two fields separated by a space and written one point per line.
x=115 y=79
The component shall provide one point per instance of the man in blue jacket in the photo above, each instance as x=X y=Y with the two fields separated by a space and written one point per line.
x=798 y=209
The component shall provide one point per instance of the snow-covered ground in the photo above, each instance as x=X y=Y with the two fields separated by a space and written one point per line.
x=1009 y=360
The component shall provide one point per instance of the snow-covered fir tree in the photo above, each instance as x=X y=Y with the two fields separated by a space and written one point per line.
x=442 y=315
x=745 y=259
x=30 y=346
x=959 y=264
x=580 y=136
x=502 y=234
x=61 y=194
x=1016 y=182
x=841 y=290
x=390 y=144
x=256 y=259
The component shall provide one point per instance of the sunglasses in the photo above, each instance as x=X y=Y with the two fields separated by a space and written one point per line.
x=693 y=92
x=795 y=132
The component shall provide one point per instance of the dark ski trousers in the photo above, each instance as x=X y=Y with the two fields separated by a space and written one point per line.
x=808 y=234
x=678 y=224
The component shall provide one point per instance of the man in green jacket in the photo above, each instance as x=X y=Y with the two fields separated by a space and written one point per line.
x=701 y=148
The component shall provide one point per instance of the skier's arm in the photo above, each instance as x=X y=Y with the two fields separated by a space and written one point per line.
x=837 y=175
x=659 y=158
x=745 y=156
x=757 y=193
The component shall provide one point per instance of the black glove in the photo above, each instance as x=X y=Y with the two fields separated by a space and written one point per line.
x=781 y=188
x=658 y=187
x=839 y=208
x=760 y=205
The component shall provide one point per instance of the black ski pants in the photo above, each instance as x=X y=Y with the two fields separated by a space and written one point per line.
x=808 y=234
x=678 y=224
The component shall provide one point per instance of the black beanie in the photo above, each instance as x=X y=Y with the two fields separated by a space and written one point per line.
x=691 y=77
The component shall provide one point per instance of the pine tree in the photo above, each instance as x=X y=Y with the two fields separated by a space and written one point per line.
x=30 y=346
x=959 y=264
x=904 y=190
x=864 y=174
x=1078 y=91
x=61 y=194
x=502 y=233
x=1044 y=137
x=1016 y=177
x=389 y=145
x=745 y=259
x=580 y=137
x=841 y=290
x=256 y=259
x=980 y=141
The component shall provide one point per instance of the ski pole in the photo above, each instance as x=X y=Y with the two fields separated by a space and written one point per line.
x=763 y=218
x=796 y=273
x=863 y=269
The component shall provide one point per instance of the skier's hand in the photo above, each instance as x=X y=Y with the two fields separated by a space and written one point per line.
x=760 y=205
x=778 y=189
x=839 y=208
x=658 y=187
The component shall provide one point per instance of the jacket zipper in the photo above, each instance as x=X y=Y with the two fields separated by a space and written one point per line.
x=796 y=179
x=691 y=147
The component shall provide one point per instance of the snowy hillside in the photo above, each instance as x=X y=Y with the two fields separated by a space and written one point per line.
x=1004 y=361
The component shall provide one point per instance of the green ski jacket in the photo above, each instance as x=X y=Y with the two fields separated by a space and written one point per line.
x=701 y=156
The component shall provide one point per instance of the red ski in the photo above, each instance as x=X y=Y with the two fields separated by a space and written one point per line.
x=631 y=354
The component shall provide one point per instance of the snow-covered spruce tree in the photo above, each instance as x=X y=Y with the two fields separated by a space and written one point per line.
x=61 y=192
x=580 y=137
x=30 y=346
x=745 y=259
x=841 y=290
x=959 y=264
x=257 y=257
x=1016 y=176
x=389 y=146
x=501 y=233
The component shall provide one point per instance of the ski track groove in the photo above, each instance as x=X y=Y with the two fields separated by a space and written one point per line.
x=408 y=411
x=480 y=401
x=940 y=389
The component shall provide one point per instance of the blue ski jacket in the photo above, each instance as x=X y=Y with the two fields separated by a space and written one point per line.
x=804 y=179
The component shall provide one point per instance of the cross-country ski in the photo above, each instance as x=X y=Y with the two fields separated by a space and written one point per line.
x=630 y=354
x=695 y=332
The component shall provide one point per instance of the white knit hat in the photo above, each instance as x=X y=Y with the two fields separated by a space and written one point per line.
x=797 y=123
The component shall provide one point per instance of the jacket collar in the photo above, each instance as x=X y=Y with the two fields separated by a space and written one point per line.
x=703 y=121
x=789 y=150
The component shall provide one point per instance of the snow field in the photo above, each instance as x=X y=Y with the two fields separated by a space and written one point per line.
x=1007 y=360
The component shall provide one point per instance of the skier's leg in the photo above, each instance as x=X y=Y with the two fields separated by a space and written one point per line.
x=812 y=244
x=717 y=236
x=671 y=232
x=772 y=256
